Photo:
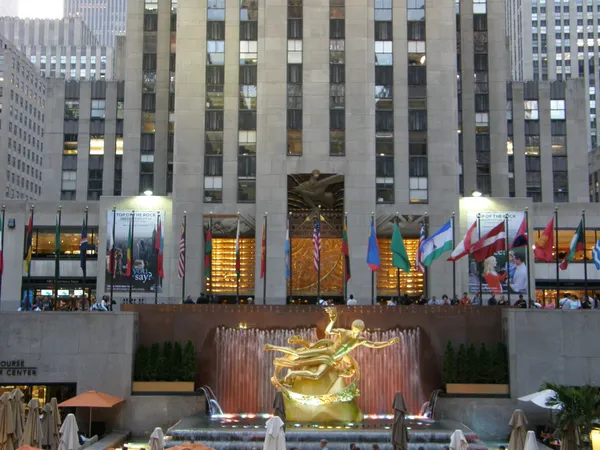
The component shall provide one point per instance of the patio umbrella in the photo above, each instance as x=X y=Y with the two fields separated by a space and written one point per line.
x=27 y=447
x=32 y=434
x=157 y=439
x=56 y=414
x=569 y=438
x=19 y=414
x=531 y=441
x=279 y=407
x=92 y=399
x=191 y=446
x=399 y=432
x=458 y=441
x=541 y=398
x=518 y=422
x=69 y=437
x=49 y=429
x=7 y=427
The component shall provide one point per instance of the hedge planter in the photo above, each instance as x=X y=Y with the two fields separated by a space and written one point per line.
x=476 y=389
x=162 y=387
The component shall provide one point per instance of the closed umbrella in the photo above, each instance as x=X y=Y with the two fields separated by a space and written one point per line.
x=49 y=430
x=531 y=441
x=518 y=422
x=69 y=437
x=27 y=447
x=279 y=407
x=458 y=441
x=399 y=432
x=7 y=427
x=19 y=414
x=92 y=399
x=569 y=438
x=157 y=439
x=32 y=434
x=56 y=413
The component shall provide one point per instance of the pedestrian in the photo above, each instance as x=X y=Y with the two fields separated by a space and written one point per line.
x=323 y=444
x=351 y=301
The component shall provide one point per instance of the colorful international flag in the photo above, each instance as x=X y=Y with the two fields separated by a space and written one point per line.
x=434 y=246
x=399 y=256
x=490 y=243
x=464 y=247
x=28 y=244
x=346 y=253
x=545 y=244
x=521 y=237
x=596 y=255
x=373 y=260
x=316 y=240
x=577 y=245
x=158 y=247
x=419 y=258
x=83 y=246
x=181 y=263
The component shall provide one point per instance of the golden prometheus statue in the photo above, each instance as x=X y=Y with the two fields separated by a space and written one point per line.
x=321 y=382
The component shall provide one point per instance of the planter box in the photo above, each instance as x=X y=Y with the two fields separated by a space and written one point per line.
x=162 y=387
x=477 y=389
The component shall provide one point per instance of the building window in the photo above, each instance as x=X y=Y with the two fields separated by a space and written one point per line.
x=120 y=110
x=557 y=109
x=98 y=109
x=531 y=110
x=337 y=79
x=71 y=109
x=294 y=77
x=97 y=145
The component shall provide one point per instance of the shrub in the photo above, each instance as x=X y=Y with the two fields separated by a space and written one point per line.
x=500 y=364
x=141 y=365
x=450 y=369
x=154 y=362
x=484 y=366
x=188 y=362
x=472 y=368
x=176 y=361
x=462 y=364
x=164 y=365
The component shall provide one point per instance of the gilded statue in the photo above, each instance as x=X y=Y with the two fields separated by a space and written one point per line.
x=324 y=372
x=314 y=191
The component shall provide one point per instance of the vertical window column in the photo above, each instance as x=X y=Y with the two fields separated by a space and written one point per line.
x=337 y=78
x=461 y=184
x=247 y=102
x=417 y=102
x=509 y=141
x=294 y=77
x=482 y=107
x=69 y=156
x=558 y=125
x=533 y=165
x=171 y=133
x=384 y=102
x=214 y=113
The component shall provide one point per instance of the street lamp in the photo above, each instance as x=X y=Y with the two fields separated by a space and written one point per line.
x=148 y=192
x=476 y=193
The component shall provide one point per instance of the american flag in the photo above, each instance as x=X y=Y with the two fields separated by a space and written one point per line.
x=181 y=265
x=317 y=243
x=418 y=262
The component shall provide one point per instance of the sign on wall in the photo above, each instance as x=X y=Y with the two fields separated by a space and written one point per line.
x=138 y=245
x=16 y=368
x=495 y=273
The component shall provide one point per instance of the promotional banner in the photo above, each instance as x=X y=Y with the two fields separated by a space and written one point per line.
x=137 y=244
x=495 y=272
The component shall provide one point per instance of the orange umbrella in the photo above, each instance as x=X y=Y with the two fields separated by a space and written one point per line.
x=27 y=447
x=92 y=399
x=191 y=446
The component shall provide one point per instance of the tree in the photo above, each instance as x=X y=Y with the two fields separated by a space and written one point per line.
x=472 y=360
x=188 y=363
x=154 y=363
x=484 y=366
x=164 y=368
x=176 y=361
x=462 y=364
x=500 y=364
x=141 y=365
x=450 y=368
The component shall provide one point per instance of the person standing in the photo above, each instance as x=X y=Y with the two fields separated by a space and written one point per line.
x=518 y=283
x=323 y=443
x=351 y=301
x=465 y=300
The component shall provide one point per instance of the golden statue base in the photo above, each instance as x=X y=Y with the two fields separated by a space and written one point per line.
x=320 y=412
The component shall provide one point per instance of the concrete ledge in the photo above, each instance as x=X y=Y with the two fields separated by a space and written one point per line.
x=111 y=440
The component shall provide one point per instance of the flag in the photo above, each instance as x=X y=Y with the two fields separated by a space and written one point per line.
x=433 y=247
x=83 y=246
x=237 y=250
x=521 y=238
x=577 y=245
x=490 y=243
x=373 y=252
x=207 y=252
x=399 y=255
x=544 y=245
x=346 y=253
x=181 y=264
x=28 y=244
x=1 y=243
x=316 y=239
x=112 y=261
x=57 y=247
x=596 y=255
x=288 y=252
x=464 y=247
x=419 y=259
x=158 y=247
x=130 y=249
x=263 y=253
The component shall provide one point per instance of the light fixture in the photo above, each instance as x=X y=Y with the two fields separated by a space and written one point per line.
x=476 y=193
x=148 y=192
x=422 y=60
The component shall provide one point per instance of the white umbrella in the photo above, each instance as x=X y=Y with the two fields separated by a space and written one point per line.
x=531 y=441
x=458 y=441
x=69 y=439
x=541 y=398
x=157 y=439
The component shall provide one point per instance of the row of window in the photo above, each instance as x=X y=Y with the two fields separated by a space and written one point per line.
x=97 y=109
x=337 y=79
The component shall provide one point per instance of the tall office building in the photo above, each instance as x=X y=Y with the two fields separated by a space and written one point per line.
x=22 y=115
x=106 y=18
x=555 y=41
x=61 y=48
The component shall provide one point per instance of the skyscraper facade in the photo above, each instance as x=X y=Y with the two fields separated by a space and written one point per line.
x=106 y=18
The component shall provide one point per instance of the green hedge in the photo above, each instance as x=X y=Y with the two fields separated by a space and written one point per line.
x=168 y=362
x=472 y=365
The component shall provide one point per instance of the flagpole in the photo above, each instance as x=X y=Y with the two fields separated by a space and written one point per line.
x=397 y=268
x=265 y=262
x=210 y=269
x=237 y=249
x=113 y=261
x=28 y=299
x=507 y=256
x=184 y=255
x=2 y=248
x=345 y=262
x=479 y=238
x=156 y=239
x=556 y=254
x=453 y=262
x=132 y=225
x=290 y=256
x=527 y=256
x=426 y=269
x=585 y=272
x=57 y=255
x=372 y=271
x=84 y=268
x=319 y=255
